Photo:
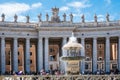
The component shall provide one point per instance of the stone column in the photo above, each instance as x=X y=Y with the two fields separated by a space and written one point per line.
x=40 y=54
x=46 y=49
x=83 y=54
x=64 y=53
x=3 y=64
x=15 y=55
x=107 y=55
x=27 y=55
x=94 y=61
x=119 y=53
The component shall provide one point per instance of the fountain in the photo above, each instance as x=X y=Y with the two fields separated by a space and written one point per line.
x=72 y=57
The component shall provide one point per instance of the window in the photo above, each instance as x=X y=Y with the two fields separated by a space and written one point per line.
x=52 y=57
x=8 y=62
x=99 y=58
x=18 y=53
x=114 y=66
x=52 y=50
x=30 y=61
x=30 y=53
x=87 y=46
x=18 y=61
x=87 y=58
x=100 y=46
x=9 y=53
x=86 y=66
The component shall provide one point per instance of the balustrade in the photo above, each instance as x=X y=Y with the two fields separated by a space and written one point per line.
x=61 y=77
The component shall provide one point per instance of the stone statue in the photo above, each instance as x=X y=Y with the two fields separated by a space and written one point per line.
x=64 y=16
x=83 y=18
x=39 y=17
x=107 y=17
x=55 y=11
x=71 y=17
x=27 y=17
x=15 y=18
x=95 y=18
x=47 y=17
x=55 y=17
x=3 y=17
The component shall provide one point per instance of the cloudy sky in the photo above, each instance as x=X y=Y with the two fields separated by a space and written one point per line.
x=77 y=7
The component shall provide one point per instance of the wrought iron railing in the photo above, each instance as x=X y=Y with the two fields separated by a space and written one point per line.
x=60 y=77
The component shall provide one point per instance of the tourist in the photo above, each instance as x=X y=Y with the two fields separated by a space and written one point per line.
x=20 y=73
x=42 y=72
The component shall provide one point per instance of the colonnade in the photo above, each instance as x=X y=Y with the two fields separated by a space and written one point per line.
x=94 y=55
x=45 y=50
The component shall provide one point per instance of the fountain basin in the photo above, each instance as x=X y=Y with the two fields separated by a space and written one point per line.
x=72 y=58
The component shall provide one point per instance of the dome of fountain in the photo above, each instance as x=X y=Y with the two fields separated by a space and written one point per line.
x=72 y=44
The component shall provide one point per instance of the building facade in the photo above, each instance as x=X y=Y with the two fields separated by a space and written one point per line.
x=30 y=47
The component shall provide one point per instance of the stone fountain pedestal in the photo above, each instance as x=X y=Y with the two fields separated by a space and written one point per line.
x=73 y=56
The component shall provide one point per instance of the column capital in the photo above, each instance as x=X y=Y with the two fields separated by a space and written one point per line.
x=64 y=37
x=46 y=37
x=95 y=37
x=107 y=37
x=2 y=37
x=40 y=37
x=15 y=38
x=82 y=38
x=27 y=38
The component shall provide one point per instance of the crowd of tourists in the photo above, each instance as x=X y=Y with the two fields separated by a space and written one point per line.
x=58 y=72
x=41 y=72
x=101 y=72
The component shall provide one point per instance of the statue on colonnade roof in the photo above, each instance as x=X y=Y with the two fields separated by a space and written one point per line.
x=55 y=17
